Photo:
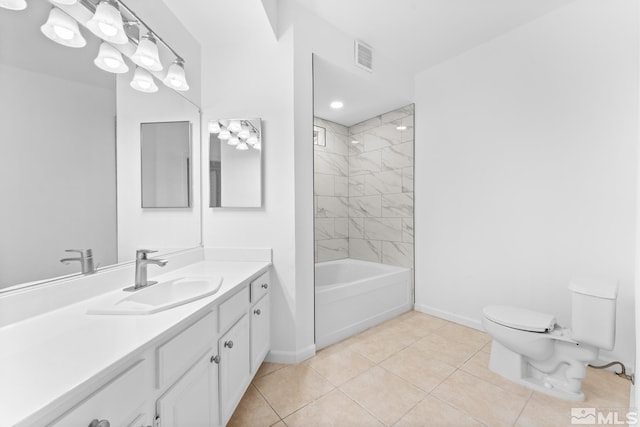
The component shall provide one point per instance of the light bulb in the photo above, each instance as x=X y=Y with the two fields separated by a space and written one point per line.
x=233 y=140
x=234 y=126
x=224 y=134
x=258 y=146
x=146 y=54
x=176 y=78
x=62 y=29
x=253 y=139
x=107 y=29
x=13 y=4
x=143 y=81
x=106 y=23
x=242 y=146
x=110 y=59
x=244 y=133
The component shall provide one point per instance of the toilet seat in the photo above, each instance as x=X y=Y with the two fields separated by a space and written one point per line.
x=520 y=318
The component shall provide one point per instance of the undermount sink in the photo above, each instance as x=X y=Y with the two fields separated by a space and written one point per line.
x=162 y=296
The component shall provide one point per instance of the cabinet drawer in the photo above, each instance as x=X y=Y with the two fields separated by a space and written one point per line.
x=119 y=401
x=177 y=355
x=260 y=287
x=233 y=308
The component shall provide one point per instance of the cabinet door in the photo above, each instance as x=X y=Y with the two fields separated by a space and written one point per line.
x=234 y=368
x=260 y=332
x=193 y=400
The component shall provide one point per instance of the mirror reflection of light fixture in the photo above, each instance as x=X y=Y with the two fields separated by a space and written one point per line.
x=176 y=78
x=110 y=59
x=143 y=81
x=239 y=133
x=13 y=4
x=62 y=29
x=147 y=53
x=106 y=23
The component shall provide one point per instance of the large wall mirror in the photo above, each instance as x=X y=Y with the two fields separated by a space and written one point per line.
x=70 y=173
x=235 y=163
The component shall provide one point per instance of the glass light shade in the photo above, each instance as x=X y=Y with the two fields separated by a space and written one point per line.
x=244 y=133
x=110 y=59
x=253 y=139
x=224 y=134
x=176 y=78
x=257 y=146
x=62 y=29
x=106 y=23
x=143 y=81
x=234 y=126
x=147 y=54
x=64 y=2
x=214 y=127
x=13 y=4
x=242 y=146
x=233 y=140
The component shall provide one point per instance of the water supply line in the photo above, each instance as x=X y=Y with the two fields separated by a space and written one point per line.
x=621 y=374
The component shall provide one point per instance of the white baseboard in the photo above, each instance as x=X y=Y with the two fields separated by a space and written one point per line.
x=291 y=357
x=463 y=320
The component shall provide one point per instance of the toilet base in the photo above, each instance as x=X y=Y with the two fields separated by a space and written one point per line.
x=514 y=367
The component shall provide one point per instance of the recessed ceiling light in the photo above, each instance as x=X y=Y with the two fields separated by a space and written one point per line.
x=401 y=128
x=336 y=104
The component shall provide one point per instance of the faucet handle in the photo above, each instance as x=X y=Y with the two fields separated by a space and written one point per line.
x=142 y=253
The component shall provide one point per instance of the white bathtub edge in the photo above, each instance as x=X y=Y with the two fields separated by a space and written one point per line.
x=291 y=357
x=447 y=315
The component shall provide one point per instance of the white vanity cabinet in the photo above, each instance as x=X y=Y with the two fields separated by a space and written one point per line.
x=235 y=373
x=260 y=320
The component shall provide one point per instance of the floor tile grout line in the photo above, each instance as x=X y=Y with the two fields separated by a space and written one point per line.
x=266 y=401
x=460 y=410
x=515 y=422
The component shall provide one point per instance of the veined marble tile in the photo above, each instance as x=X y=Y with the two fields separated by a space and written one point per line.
x=407 y=180
x=399 y=113
x=387 y=132
x=356 y=228
x=355 y=149
x=323 y=185
x=366 y=125
x=365 y=206
x=364 y=163
x=397 y=156
x=397 y=205
x=383 y=229
x=332 y=249
x=406 y=134
x=331 y=164
x=324 y=228
x=396 y=253
x=372 y=142
x=329 y=125
x=341 y=186
x=341 y=228
x=383 y=182
x=332 y=207
x=407 y=230
x=337 y=143
x=366 y=250
x=356 y=185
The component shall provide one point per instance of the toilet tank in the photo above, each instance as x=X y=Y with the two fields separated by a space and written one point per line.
x=593 y=311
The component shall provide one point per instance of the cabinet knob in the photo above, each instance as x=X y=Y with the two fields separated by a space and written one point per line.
x=228 y=344
x=257 y=312
x=264 y=286
x=101 y=423
x=215 y=359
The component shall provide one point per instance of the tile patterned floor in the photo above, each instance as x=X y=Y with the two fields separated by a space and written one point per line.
x=414 y=370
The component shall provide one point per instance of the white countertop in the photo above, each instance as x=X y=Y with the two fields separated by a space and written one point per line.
x=44 y=358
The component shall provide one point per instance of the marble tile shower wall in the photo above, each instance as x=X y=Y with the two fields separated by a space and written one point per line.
x=381 y=189
x=364 y=191
x=331 y=192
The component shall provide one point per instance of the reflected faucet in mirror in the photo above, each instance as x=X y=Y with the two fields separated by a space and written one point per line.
x=85 y=259
x=141 y=269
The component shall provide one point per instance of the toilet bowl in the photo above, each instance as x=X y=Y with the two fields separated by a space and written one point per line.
x=531 y=349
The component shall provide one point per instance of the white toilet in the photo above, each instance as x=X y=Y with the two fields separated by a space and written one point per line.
x=529 y=348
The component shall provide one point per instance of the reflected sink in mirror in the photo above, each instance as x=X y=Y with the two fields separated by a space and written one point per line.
x=162 y=296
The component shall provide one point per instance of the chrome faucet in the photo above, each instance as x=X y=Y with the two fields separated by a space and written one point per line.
x=85 y=259
x=141 y=269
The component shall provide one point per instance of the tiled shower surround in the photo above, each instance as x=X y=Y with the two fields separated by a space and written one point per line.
x=364 y=191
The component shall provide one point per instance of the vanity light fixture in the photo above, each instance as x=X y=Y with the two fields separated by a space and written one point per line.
x=64 y=2
x=107 y=24
x=234 y=126
x=336 y=105
x=241 y=134
x=62 y=29
x=224 y=134
x=244 y=133
x=147 y=53
x=176 y=78
x=13 y=4
x=257 y=146
x=143 y=81
x=253 y=139
x=234 y=140
x=242 y=146
x=214 y=127
x=110 y=59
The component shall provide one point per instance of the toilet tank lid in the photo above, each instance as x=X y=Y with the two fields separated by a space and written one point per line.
x=520 y=318
x=594 y=286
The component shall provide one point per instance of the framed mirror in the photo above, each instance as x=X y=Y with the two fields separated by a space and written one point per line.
x=235 y=163
x=165 y=150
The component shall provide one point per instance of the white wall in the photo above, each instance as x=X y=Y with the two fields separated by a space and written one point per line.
x=273 y=80
x=526 y=167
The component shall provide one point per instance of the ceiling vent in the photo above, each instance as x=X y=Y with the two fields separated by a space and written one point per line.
x=364 y=56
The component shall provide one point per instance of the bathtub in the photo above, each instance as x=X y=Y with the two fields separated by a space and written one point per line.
x=353 y=295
